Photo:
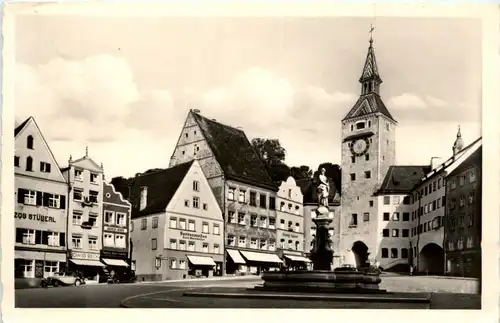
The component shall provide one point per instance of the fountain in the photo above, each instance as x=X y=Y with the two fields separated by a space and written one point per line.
x=322 y=278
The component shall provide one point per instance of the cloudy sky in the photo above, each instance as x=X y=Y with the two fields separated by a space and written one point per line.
x=123 y=85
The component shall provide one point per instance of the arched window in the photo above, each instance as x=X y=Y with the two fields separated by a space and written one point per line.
x=29 y=142
x=29 y=164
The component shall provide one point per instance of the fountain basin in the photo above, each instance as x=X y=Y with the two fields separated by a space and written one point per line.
x=341 y=280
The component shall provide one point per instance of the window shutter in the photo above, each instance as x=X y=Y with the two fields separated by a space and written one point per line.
x=46 y=197
x=62 y=239
x=38 y=237
x=39 y=198
x=41 y=166
x=48 y=168
x=20 y=195
x=19 y=235
x=62 y=204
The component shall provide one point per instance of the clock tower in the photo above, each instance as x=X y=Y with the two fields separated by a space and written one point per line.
x=368 y=149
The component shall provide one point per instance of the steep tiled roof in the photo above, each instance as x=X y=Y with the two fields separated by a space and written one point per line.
x=21 y=126
x=308 y=190
x=402 y=178
x=367 y=104
x=234 y=153
x=161 y=186
x=475 y=158
x=370 y=69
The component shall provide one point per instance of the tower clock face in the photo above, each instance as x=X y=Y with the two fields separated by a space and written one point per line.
x=359 y=147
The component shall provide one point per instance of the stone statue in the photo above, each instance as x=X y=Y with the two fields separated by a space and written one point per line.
x=323 y=188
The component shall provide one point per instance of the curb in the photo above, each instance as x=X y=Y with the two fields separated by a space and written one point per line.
x=201 y=279
x=341 y=298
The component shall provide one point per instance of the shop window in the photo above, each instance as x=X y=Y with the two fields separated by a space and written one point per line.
x=26 y=267
x=50 y=268
x=182 y=264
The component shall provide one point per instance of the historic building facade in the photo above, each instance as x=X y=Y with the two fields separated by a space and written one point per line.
x=240 y=182
x=40 y=206
x=115 y=230
x=464 y=219
x=178 y=229
x=290 y=224
x=85 y=210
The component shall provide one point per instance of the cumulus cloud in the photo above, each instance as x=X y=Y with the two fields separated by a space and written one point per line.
x=406 y=101
x=89 y=100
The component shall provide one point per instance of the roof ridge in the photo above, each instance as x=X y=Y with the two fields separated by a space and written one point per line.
x=166 y=169
x=215 y=121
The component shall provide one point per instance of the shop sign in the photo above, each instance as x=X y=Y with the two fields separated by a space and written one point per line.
x=109 y=253
x=34 y=217
x=115 y=229
x=290 y=235
x=193 y=236
x=85 y=255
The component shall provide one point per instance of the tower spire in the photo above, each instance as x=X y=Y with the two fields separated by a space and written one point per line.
x=459 y=142
x=370 y=79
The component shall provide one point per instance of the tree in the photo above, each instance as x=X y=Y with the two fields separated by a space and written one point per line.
x=301 y=172
x=273 y=155
x=270 y=150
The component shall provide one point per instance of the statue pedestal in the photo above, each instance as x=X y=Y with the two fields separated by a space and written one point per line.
x=322 y=254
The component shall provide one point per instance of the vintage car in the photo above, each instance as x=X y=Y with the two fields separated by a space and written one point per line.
x=62 y=279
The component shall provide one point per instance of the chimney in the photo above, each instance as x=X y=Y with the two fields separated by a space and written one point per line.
x=144 y=198
x=434 y=162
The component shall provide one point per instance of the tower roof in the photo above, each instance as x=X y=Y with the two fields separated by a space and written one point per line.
x=368 y=104
x=370 y=70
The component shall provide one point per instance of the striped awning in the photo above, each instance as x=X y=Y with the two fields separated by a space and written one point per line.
x=236 y=256
x=84 y=262
x=114 y=262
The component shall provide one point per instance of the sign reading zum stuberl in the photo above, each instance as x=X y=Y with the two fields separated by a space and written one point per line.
x=193 y=236
x=85 y=255
x=34 y=217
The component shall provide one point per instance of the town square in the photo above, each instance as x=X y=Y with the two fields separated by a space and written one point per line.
x=253 y=162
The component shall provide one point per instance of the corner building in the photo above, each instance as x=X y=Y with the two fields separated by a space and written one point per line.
x=177 y=225
x=40 y=207
x=243 y=189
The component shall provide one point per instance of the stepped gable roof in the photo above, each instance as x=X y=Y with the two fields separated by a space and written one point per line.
x=234 y=153
x=161 y=185
x=308 y=190
x=476 y=158
x=401 y=179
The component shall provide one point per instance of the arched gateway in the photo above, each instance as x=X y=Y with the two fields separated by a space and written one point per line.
x=360 y=250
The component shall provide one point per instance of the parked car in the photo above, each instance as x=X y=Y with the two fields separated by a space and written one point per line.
x=122 y=277
x=63 y=279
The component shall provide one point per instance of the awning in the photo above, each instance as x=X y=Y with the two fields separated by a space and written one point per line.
x=261 y=257
x=39 y=255
x=201 y=261
x=236 y=256
x=83 y=262
x=115 y=262
x=297 y=258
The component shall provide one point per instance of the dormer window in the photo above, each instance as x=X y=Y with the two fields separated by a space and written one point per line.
x=360 y=125
x=93 y=178
x=78 y=175
x=29 y=142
